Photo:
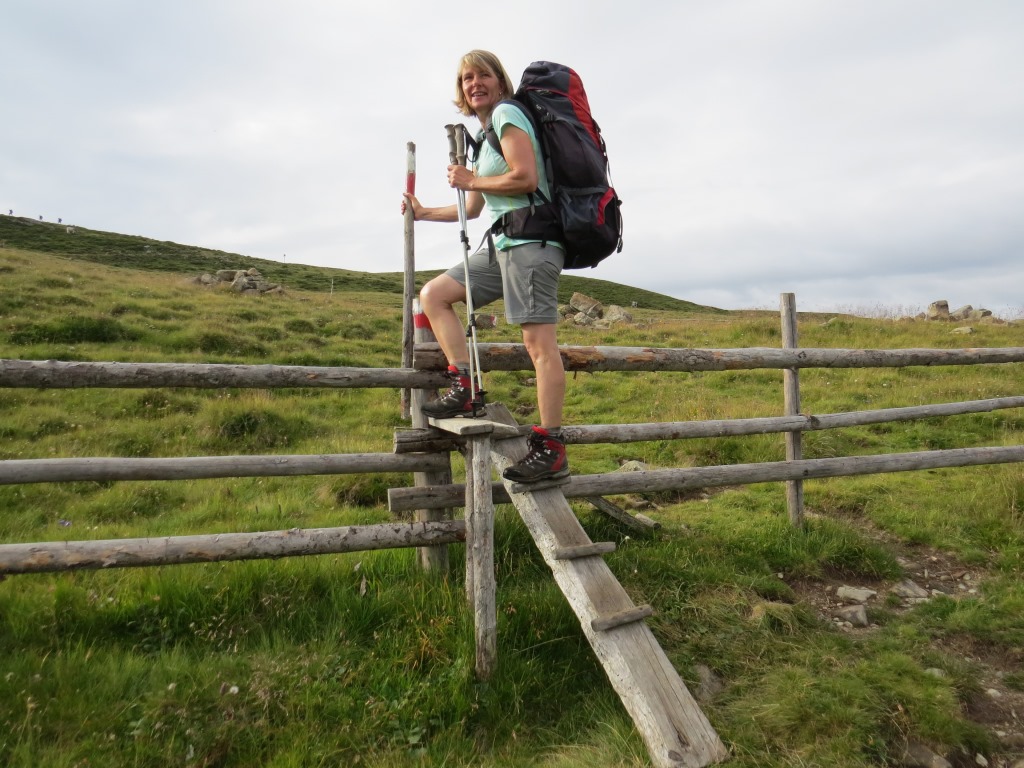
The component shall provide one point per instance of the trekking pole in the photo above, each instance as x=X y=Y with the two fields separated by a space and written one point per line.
x=457 y=156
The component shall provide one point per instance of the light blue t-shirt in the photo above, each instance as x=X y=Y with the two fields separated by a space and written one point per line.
x=491 y=163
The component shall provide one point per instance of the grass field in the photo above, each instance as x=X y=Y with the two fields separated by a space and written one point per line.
x=364 y=660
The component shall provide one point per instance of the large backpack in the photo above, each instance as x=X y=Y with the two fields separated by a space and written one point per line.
x=584 y=215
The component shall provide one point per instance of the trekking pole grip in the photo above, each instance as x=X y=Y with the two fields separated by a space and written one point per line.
x=460 y=144
x=453 y=151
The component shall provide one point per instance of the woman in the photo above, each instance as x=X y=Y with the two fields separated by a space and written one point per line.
x=524 y=272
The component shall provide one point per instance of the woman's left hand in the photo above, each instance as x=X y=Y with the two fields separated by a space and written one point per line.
x=460 y=177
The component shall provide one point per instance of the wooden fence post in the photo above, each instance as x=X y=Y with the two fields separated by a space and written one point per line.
x=481 y=588
x=480 y=553
x=431 y=558
x=409 y=284
x=791 y=389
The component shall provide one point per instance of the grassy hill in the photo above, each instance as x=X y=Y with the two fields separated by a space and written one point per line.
x=143 y=253
x=363 y=660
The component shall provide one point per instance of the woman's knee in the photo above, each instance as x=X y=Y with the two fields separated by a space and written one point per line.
x=441 y=292
x=541 y=344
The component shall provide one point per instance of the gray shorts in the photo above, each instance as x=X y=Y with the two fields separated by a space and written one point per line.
x=525 y=275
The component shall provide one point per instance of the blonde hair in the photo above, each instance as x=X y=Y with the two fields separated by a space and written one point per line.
x=484 y=60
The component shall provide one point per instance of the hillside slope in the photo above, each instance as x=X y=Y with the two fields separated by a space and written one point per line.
x=138 y=252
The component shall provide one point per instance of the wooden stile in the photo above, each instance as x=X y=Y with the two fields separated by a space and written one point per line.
x=676 y=732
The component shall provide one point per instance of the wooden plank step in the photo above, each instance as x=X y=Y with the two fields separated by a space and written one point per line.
x=583 y=550
x=676 y=732
x=464 y=426
x=613 y=620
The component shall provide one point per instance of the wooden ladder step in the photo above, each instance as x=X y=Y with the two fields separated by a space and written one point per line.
x=584 y=550
x=613 y=620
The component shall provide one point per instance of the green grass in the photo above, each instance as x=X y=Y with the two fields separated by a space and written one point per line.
x=134 y=252
x=362 y=659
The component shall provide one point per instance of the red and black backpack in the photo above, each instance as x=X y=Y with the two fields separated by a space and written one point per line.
x=584 y=213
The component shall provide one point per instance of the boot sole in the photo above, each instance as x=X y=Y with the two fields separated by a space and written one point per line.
x=537 y=478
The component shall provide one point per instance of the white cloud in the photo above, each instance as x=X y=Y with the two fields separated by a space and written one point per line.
x=854 y=153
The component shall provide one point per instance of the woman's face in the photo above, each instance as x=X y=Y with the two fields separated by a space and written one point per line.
x=482 y=89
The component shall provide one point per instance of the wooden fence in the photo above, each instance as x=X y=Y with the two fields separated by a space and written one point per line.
x=425 y=452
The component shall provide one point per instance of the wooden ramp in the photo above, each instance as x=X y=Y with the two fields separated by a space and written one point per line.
x=675 y=730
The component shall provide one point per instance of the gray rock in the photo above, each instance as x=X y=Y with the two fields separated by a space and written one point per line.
x=938 y=310
x=710 y=684
x=909 y=590
x=856 y=615
x=632 y=466
x=588 y=306
x=616 y=314
x=855 y=594
x=920 y=756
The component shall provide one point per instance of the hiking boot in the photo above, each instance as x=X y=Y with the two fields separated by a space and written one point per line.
x=545 y=461
x=457 y=401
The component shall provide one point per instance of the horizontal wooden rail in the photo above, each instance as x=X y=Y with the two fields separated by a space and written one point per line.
x=657 y=480
x=42 y=557
x=627 y=433
x=513 y=357
x=430 y=362
x=415 y=440
x=56 y=374
x=204 y=467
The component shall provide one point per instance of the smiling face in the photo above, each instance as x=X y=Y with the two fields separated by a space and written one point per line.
x=481 y=83
x=481 y=90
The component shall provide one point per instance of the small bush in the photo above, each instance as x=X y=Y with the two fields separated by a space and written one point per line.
x=299 y=326
x=267 y=333
x=366 y=490
x=215 y=343
x=70 y=300
x=74 y=330
x=156 y=404
x=254 y=430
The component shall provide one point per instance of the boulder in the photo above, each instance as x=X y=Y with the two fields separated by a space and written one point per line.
x=938 y=310
x=633 y=465
x=586 y=305
x=616 y=314
x=486 y=321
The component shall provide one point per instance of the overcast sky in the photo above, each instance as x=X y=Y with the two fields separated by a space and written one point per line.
x=860 y=154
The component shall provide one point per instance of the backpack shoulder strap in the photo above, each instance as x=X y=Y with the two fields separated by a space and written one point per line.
x=491 y=135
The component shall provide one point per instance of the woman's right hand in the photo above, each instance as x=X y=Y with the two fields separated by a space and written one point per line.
x=410 y=201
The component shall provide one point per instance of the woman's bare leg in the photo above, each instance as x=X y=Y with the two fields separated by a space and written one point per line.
x=542 y=346
x=437 y=299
